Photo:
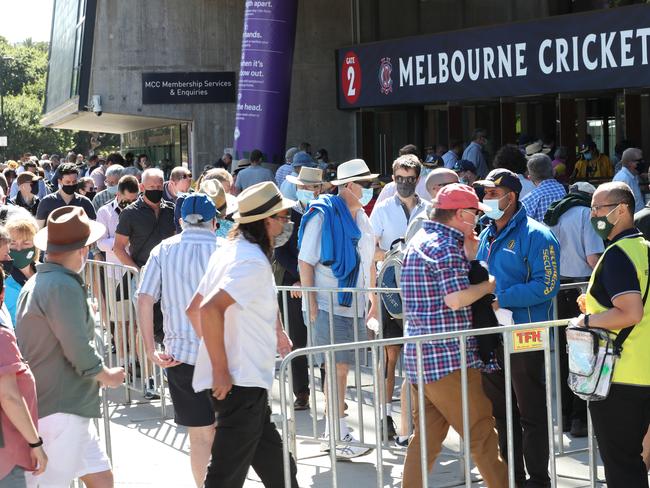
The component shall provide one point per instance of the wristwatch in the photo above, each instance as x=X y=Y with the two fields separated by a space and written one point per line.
x=36 y=444
x=586 y=321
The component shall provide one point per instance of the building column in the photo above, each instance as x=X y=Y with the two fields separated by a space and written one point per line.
x=508 y=121
x=567 y=133
x=632 y=112
x=455 y=123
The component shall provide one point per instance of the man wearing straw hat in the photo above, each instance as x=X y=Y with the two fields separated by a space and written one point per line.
x=172 y=273
x=337 y=247
x=309 y=183
x=241 y=327
x=56 y=333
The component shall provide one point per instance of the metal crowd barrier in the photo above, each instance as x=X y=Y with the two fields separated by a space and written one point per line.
x=375 y=365
x=111 y=289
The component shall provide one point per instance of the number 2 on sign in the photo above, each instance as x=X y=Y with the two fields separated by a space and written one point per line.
x=351 y=90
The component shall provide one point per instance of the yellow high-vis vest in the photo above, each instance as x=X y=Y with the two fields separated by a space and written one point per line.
x=633 y=367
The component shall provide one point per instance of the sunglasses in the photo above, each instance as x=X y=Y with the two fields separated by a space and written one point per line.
x=405 y=179
x=184 y=177
x=364 y=184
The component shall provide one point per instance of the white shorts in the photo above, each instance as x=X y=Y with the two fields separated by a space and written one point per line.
x=73 y=449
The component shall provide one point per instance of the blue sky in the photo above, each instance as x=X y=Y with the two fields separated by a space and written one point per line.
x=26 y=18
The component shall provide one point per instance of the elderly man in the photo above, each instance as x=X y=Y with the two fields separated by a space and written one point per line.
x=254 y=173
x=300 y=159
x=56 y=333
x=547 y=189
x=113 y=175
x=632 y=166
x=287 y=168
x=172 y=273
x=141 y=227
x=339 y=218
x=522 y=255
x=437 y=297
x=569 y=219
x=436 y=181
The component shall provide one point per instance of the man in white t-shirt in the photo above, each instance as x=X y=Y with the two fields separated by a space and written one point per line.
x=335 y=229
x=239 y=320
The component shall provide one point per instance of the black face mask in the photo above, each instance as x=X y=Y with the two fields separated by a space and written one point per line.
x=90 y=195
x=69 y=189
x=405 y=190
x=154 y=196
x=7 y=266
x=34 y=187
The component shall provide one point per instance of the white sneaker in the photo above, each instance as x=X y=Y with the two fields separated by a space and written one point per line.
x=324 y=442
x=348 y=451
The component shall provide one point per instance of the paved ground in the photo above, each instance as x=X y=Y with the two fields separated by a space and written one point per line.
x=151 y=451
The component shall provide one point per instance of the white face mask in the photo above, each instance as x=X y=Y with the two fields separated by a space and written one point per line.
x=366 y=196
x=305 y=196
x=284 y=236
x=474 y=221
x=84 y=260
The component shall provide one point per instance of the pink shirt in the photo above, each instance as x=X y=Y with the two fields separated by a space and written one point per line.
x=15 y=450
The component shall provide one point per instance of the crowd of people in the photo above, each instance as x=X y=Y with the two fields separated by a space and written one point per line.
x=479 y=239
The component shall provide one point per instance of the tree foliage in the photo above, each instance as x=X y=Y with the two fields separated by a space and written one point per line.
x=22 y=82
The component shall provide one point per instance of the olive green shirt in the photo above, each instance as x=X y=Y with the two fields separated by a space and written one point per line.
x=55 y=331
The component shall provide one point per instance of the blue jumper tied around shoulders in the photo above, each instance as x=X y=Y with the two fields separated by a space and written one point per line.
x=339 y=241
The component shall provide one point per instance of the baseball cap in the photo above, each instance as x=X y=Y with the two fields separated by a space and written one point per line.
x=464 y=165
x=501 y=177
x=198 y=207
x=583 y=187
x=301 y=158
x=456 y=196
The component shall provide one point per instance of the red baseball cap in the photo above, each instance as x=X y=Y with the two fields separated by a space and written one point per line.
x=456 y=196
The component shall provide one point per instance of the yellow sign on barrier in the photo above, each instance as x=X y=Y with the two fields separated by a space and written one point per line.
x=528 y=340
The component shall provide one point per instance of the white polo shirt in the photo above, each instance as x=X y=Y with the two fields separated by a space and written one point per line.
x=389 y=219
x=241 y=269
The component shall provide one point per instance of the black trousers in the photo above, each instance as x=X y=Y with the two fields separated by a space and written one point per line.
x=573 y=407
x=297 y=331
x=246 y=437
x=620 y=422
x=530 y=430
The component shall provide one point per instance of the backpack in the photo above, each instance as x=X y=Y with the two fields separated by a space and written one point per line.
x=390 y=277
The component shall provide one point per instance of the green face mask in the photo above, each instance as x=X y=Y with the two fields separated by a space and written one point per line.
x=23 y=257
x=602 y=225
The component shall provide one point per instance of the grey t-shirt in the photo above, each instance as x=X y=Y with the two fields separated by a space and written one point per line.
x=577 y=240
x=252 y=175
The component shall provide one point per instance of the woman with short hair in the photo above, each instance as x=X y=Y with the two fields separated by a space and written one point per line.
x=24 y=255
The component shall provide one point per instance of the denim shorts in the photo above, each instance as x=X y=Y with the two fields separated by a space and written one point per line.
x=343 y=332
x=15 y=479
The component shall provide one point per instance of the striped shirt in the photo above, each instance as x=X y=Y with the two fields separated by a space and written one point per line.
x=172 y=274
x=282 y=172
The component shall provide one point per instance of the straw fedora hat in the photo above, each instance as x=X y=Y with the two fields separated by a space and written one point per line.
x=260 y=201
x=215 y=191
x=68 y=228
x=307 y=177
x=535 y=148
x=353 y=170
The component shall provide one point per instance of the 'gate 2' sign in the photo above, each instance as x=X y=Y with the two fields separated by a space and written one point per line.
x=210 y=87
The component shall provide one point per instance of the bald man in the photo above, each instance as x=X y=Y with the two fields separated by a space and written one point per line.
x=616 y=300
x=438 y=178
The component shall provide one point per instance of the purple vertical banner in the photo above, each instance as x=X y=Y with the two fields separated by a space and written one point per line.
x=265 y=78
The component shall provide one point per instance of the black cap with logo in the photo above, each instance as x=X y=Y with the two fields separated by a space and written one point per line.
x=501 y=177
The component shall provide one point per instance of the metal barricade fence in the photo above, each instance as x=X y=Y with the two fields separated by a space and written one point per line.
x=111 y=288
x=376 y=399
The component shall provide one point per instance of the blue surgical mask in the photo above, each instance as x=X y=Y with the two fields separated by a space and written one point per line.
x=495 y=213
x=224 y=228
x=587 y=155
x=305 y=196
x=366 y=196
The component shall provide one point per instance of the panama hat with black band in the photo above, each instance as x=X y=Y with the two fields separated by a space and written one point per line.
x=260 y=201
x=307 y=177
x=68 y=228
x=353 y=170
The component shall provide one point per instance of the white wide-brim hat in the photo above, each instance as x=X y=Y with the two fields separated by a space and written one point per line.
x=353 y=170
x=307 y=177
x=260 y=201
x=536 y=148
